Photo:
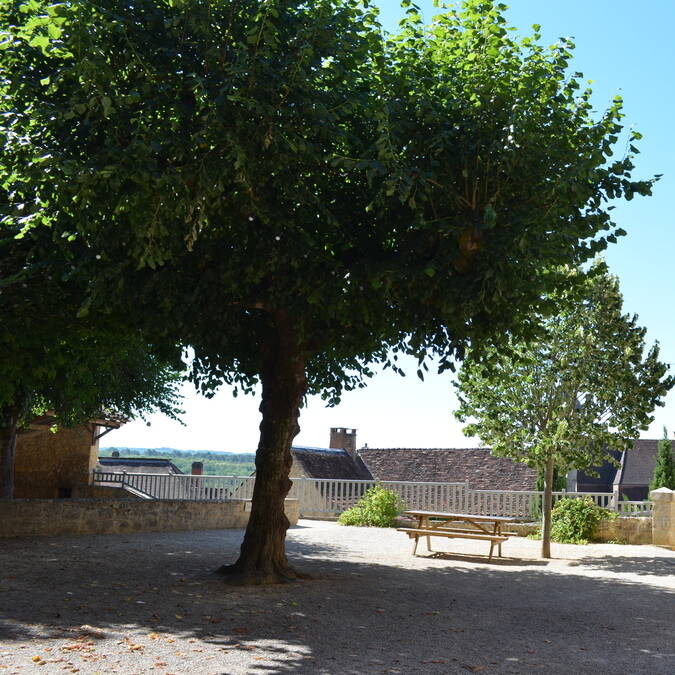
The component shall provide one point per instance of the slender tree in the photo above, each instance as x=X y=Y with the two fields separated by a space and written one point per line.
x=585 y=387
x=293 y=193
x=664 y=471
x=558 y=482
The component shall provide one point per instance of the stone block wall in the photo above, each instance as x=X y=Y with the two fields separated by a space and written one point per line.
x=53 y=517
x=50 y=465
x=625 y=529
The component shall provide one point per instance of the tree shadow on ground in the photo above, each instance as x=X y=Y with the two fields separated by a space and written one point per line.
x=643 y=565
x=155 y=593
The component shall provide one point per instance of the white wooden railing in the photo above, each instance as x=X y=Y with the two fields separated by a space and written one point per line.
x=332 y=497
x=635 y=508
x=329 y=498
x=179 y=486
x=524 y=503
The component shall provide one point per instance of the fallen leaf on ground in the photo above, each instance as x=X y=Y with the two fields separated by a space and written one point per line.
x=92 y=631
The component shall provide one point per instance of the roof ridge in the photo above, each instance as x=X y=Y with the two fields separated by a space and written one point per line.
x=428 y=449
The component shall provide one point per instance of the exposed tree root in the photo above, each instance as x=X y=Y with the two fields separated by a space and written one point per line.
x=237 y=575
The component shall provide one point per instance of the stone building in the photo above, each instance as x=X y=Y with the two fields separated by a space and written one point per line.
x=338 y=461
x=51 y=464
x=629 y=476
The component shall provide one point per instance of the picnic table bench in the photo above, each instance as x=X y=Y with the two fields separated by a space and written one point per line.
x=458 y=526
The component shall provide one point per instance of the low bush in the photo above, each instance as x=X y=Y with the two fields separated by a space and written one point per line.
x=377 y=508
x=573 y=521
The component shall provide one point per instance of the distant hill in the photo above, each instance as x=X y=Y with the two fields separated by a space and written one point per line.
x=215 y=463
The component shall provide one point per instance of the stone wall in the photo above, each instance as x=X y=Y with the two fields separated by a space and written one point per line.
x=50 y=465
x=625 y=530
x=52 y=517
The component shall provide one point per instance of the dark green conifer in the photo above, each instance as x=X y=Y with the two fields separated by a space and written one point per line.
x=664 y=471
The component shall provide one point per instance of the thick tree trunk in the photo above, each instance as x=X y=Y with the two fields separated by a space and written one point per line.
x=9 y=421
x=262 y=559
x=547 y=508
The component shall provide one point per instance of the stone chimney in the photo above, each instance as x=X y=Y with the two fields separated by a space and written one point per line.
x=197 y=468
x=342 y=438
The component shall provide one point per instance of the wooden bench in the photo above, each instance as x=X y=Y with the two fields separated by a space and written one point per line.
x=459 y=530
x=440 y=524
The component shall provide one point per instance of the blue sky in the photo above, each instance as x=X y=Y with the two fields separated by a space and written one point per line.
x=626 y=48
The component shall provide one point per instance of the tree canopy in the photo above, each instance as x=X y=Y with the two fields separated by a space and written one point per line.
x=292 y=193
x=585 y=387
x=75 y=367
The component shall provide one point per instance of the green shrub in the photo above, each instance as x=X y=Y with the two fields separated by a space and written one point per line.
x=573 y=521
x=377 y=508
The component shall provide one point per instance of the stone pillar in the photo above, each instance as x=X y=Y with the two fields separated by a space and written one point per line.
x=663 y=521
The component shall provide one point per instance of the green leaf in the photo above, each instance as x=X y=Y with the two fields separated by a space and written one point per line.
x=41 y=41
x=106 y=102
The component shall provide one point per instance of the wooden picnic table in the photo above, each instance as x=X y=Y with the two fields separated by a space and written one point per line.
x=440 y=524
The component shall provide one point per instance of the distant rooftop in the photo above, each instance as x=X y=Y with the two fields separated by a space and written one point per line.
x=475 y=466
x=150 y=464
x=330 y=463
x=309 y=448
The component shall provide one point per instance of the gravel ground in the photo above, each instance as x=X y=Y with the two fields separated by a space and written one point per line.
x=149 y=603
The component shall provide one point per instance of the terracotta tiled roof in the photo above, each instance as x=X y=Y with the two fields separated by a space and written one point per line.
x=328 y=463
x=475 y=466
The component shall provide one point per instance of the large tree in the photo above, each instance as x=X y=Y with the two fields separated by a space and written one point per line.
x=292 y=193
x=584 y=387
